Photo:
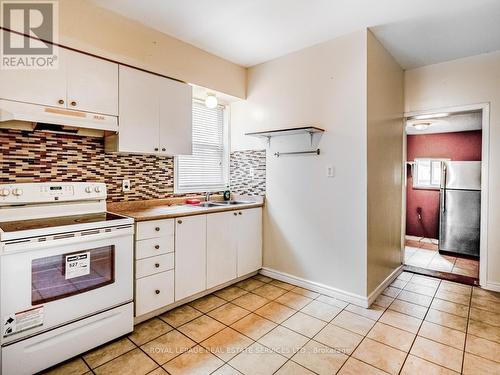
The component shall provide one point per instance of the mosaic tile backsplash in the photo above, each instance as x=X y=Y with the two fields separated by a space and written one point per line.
x=42 y=156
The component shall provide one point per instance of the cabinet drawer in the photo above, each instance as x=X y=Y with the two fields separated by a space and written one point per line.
x=154 y=246
x=153 y=292
x=150 y=266
x=155 y=228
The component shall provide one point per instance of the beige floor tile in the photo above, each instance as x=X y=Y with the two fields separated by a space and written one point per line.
x=408 y=308
x=249 y=284
x=401 y=321
x=253 y=326
x=437 y=353
x=453 y=297
x=415 y=365
x=228 y=313
x=356 y=367
x=399 y=284
x=180 y=315
x=149 y=330
x=134 y=362
x=257 y=360
x=269 y=291
x=338 y=338
x=426 y=281
x=483 y=348
x=465 y=272
x=383 y=301
x=250 y=301
x=107 y=352
x=275 y=312
x=487 y=294
x=474 y=365
x=168 y=346
x=226 y=370
x=374 y=312
x=418 y=299
x=196 y=361
x=406 y=276
x=294 y=300
x=450 y=286
x=450 y=307
x=420 y=289
x=305 y=292
x=283 y=341
x=392 y=336
x=207 y=303
x=201 y=328
x=391 y=291
x=332 y=301
x=440 y=263
x=304 y=324
x=321 y=310
x=484 y=330
x=230 y=293
x=485 y=316
x=282 y=285
x=292 y=368
x=379 y=355
x=75 y=366
x=485 y=304
x=469 y=264
x=442 y=334
x=445 y=319
x=319 y=358
x=226 y=344
x=353 y=322
x=158 y=371
x=262 y=278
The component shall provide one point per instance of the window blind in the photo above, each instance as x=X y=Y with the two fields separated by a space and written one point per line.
x=205 y=169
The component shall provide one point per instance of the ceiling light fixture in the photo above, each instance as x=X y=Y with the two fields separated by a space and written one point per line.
x=211 y=101
x=430 y=116
x=420 y=126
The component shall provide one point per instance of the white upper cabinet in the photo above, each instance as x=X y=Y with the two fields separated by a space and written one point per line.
x=92 y=84
x=80 y=82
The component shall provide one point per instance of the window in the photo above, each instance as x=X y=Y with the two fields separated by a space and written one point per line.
x=427 y=173
x=206 y=170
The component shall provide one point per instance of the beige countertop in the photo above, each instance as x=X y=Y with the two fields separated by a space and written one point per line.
x=174 y=207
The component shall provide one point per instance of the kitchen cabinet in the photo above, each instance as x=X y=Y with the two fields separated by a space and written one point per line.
x=154 y=292
x=249 y=244
x=80 y=82
x=190 y=256
x=221 y=248
x=155 y=115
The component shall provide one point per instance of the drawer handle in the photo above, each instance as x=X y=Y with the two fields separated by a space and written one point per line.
x=157 y=265
x=164 y=149
x=157 y=229
x=73 y=103
x=157 y=247
x=60 y=101
x=157 y=291
x=179 y=221
x=156 y=148
x=239 y=213
x=235 y=214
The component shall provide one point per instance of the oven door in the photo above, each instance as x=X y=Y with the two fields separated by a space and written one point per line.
x=48 y=283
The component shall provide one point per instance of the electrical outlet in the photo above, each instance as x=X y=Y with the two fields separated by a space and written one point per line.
x=125 y=185
x=330 y=171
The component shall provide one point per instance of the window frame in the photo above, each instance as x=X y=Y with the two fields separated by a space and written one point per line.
x=429 y=186
x=225 y=157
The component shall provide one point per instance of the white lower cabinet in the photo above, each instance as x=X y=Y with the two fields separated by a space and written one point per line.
x=154 y=292
x=190 y=256
x=249 y=234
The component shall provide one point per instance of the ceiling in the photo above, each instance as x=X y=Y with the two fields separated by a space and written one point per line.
x=453 y=123
x=249 y=32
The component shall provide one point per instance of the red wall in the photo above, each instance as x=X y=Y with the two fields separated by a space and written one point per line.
x=460 y=146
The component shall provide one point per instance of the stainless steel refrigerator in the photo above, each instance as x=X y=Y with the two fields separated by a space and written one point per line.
x=460 y=207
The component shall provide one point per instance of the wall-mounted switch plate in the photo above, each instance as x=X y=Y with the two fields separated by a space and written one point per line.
x=330 y=171
x=125 y=185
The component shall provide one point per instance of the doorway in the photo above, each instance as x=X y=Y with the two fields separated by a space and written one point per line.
x=444 y=211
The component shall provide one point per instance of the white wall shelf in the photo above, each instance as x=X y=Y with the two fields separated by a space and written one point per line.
x=268 y=134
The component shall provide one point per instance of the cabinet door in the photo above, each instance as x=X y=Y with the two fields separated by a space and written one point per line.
x=221 y=248
x=249 y=245
x=154 y=292
x=176 y=107
x=92 y=84
x=44 y=86
x=190 y=256
x=139 y=111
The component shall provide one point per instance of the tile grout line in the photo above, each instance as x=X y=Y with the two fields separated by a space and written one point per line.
x=467 y=329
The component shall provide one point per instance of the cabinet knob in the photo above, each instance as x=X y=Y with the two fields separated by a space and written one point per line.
x=157 y=229
x=156 y=148
x=60 y=101
x=164 y=149
x=235 y=214
x=179 y=221
x=157 y=247
x=239 y=213
x=157 y=291
x=73 y=103
x=157 y=265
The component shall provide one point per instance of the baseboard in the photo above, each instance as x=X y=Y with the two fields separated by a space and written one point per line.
x=491 y=285
x=388 y=280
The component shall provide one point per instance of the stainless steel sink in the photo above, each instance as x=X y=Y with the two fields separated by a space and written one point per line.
x=230 y=203
x=207 y=204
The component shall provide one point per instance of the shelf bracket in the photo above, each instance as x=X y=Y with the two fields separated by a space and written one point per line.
x=311 y=136
x=268 y=141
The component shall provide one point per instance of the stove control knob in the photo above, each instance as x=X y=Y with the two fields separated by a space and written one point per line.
x=97 y=189
x=17 y=192
x=88 y=189
x=4 y=192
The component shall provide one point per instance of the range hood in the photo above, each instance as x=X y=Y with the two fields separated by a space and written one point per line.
x=61 y=118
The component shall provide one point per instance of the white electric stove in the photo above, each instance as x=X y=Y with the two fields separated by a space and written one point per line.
x=66 y=273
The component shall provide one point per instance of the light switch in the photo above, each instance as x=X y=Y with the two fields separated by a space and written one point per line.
x=330 y=171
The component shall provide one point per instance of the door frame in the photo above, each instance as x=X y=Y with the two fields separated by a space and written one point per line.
x=485 y=156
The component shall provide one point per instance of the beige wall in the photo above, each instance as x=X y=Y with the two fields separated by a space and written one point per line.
x=96 y=30
x=461 y=82
x=314 y=226
x=385 y=151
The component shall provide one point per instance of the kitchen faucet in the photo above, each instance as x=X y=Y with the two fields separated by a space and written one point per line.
x=207 y=196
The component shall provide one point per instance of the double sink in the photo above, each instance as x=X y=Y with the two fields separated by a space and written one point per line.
x=222 y=203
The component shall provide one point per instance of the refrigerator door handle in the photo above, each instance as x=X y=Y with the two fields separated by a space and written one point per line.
x=443 y=184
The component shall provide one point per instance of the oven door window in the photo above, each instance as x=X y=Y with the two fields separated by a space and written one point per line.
x=65 y=275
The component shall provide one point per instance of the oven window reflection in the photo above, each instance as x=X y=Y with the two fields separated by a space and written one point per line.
x=64 y=275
